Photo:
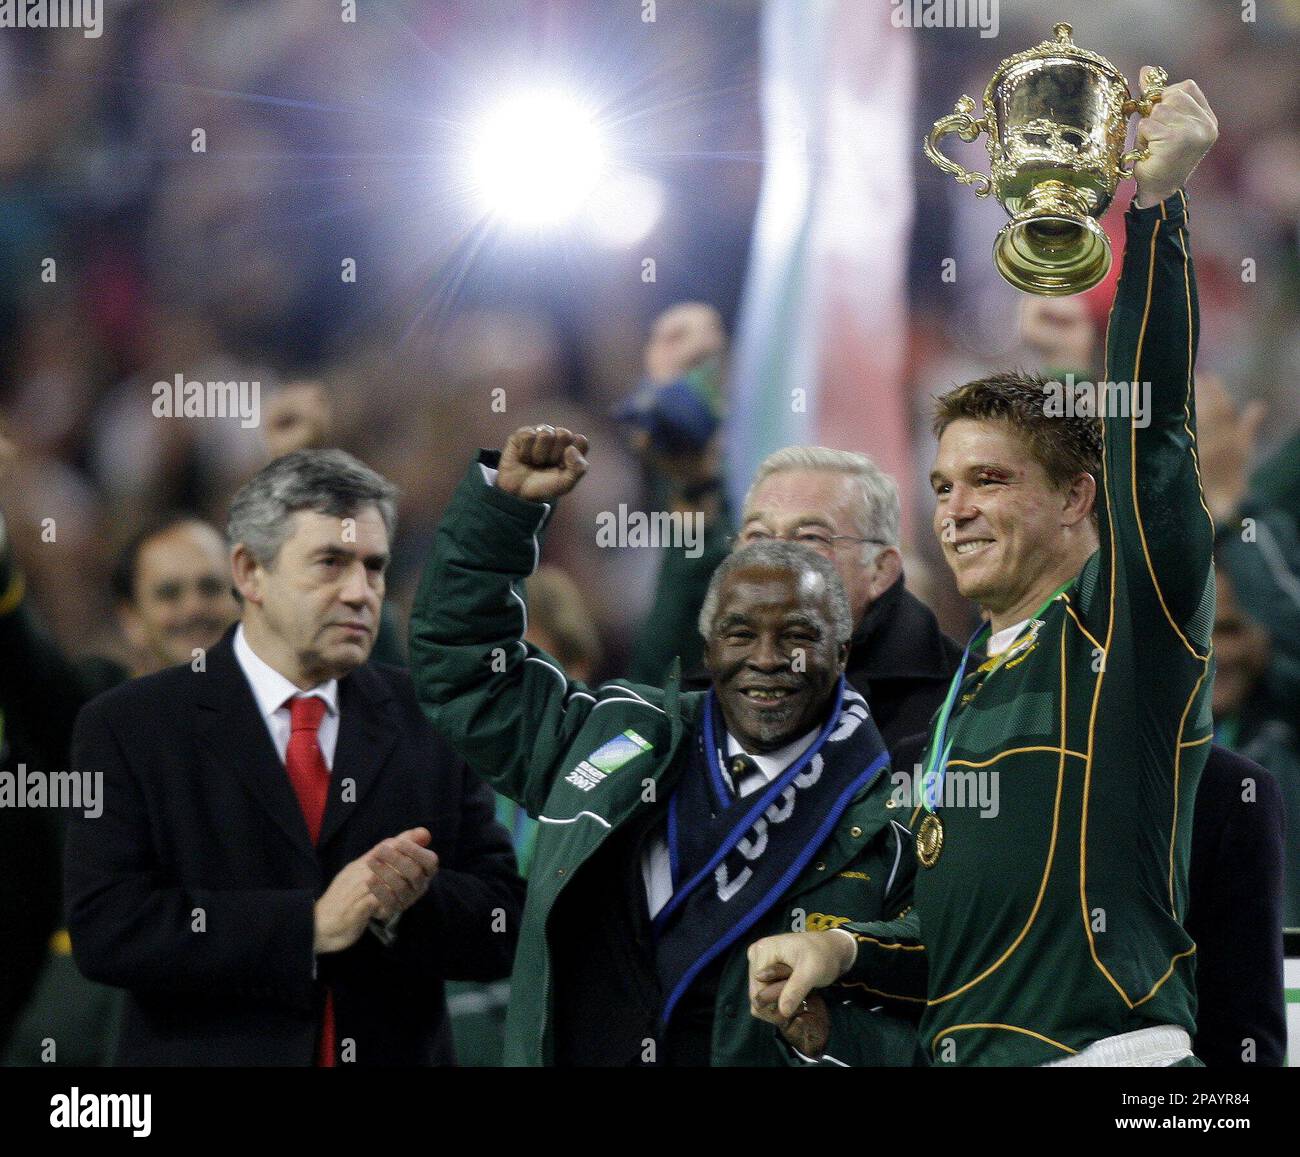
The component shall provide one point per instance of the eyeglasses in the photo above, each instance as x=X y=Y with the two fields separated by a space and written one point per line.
x=817 y=540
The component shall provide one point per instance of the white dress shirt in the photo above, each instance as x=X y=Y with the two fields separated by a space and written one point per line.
x=656 y=866
x=272 y=690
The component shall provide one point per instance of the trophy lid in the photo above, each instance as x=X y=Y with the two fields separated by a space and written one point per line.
x=1060 y=47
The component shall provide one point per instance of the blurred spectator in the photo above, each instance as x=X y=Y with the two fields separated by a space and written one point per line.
x=1234 y=913
x=173 y=598
x=1255 y=714
x=1257 y=613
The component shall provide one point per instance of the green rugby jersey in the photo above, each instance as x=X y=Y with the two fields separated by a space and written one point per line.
x=1057 y=921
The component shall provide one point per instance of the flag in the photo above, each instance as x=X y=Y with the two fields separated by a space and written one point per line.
x=821 y=343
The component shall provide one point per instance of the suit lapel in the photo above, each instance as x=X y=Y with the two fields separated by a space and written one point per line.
x=234 y=739
x=367 y=736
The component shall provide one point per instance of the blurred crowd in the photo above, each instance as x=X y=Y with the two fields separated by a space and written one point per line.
x=325 y=141
x=126 y=257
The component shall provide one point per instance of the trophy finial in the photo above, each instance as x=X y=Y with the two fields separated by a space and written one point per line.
x=1063 y=32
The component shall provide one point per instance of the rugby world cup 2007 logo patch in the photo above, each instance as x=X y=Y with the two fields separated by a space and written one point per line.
x=607 y=759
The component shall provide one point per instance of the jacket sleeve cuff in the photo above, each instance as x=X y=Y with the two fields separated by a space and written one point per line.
x=1172 y=210
x=852 y=940
x=482 y=479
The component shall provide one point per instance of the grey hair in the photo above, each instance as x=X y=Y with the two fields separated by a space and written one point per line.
x=787 y=556
x=877 y=513
x=323 y=481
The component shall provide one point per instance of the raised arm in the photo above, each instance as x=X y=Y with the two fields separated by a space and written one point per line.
x=506 y=706
x=669 y=631
x=1155 y=530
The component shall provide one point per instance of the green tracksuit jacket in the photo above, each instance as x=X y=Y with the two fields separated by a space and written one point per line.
x=524 y=726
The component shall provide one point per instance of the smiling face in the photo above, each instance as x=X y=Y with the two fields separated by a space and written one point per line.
x=313 y=612
x=1009 y=535
x=181 y=599
x=773 y=656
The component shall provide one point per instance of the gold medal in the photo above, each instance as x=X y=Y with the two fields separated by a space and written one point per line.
x=929 y=840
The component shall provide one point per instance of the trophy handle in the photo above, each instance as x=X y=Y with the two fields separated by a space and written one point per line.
x=968 y=128
x=1157 y=78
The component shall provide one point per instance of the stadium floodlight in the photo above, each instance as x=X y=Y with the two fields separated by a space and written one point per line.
x=536 y=158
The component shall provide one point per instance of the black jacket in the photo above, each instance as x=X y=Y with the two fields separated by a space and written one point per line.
x=195 y=888
x=41 y=692
x=1234 y=913
x=902 y=663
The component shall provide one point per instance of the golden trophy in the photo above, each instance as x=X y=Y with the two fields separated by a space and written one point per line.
x=1056 y=117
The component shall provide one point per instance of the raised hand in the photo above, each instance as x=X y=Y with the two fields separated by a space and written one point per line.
x=1178 y=133
x=540 y=463
x=682 y=337
x=299 y=417
x=1225 y=445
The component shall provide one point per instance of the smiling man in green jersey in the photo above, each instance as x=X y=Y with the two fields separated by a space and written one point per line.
x=1048 y=929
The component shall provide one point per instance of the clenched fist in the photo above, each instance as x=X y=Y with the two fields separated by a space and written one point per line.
x=683 y=336
x=540 y=463
x=1177 y=134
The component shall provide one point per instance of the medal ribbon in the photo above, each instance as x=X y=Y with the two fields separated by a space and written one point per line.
x=937 y=764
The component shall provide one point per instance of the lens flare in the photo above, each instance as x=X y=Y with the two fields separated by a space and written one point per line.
x=537 y=158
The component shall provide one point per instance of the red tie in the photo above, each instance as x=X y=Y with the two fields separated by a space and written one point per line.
x=311 y=783
x=304 y=761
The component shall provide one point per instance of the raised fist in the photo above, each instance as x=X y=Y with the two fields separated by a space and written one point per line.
x=682 y=337
x=540 y=463
x=1177 y=134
